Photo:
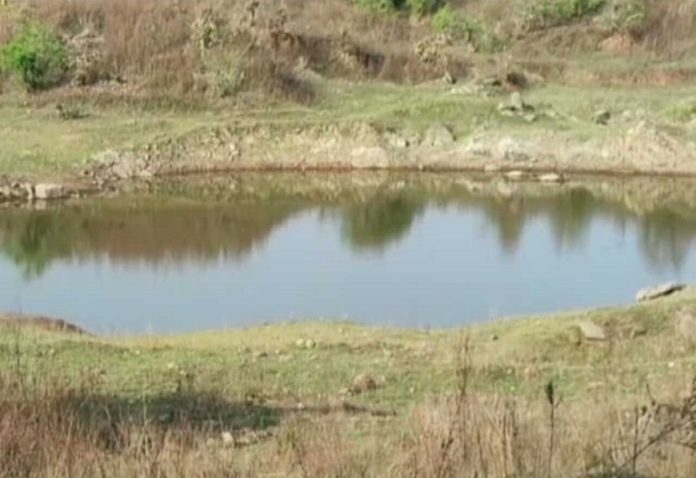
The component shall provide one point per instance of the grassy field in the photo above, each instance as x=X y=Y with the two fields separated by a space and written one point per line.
x=37 y=143
x=337 y=399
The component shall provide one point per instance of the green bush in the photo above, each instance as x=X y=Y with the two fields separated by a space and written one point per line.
x=449 y=21
x=549 y=13
x=419 y=7
x=381 y=6
x=37 y=55
x=629 y=16
x=424 y=7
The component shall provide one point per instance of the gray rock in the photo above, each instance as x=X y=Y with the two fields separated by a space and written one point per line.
x=513 y=150
x=46 y=191
x=686 y=324
x=515 y=175
x=592 y=332
x=517 y=102
x=551 y=178
x=601 y=117
x=652 y=293
x=438 y=135
x=363 y=383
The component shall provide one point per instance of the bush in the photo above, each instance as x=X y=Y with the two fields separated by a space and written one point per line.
x=381 y=6
x=629 y=16
x=549 y=13
x=450 y=22
x=424 y=7
x=419 y=7
x=37 y=55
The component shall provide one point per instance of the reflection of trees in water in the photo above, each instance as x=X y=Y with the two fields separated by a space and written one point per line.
x=666 y=237
x=36 y=243
x=34 y=239
x=171 y=232
x=377 y=224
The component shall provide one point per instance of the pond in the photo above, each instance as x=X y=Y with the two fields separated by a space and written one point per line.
x=396 y=250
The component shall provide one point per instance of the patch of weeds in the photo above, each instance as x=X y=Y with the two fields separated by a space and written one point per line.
x=474 y=32
x=424 y=7
x=628 y=17
x=418 y=7
x=686 y=111
x=549 y=13
x=381 y=6
x=37 y=55
x=71 y=111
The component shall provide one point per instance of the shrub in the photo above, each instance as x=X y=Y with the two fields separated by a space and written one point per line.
x=381 y=6
x=37 y=55
x=452 y=23
x=629 y=16
x=424 y=7
x=549 y=13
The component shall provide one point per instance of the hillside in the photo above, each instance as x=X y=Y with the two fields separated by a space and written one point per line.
x=111 y=89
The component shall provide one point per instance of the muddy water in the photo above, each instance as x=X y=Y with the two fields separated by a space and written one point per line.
x=432 y=252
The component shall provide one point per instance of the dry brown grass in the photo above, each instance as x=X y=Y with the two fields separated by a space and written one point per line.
x=671 y=28
x=50 y=429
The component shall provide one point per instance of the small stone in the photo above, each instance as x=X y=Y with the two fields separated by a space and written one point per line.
x=516 y=102
x=513 y=150
x=438 y=135
x=310 y=344
x=45 y=191
x=658 y=292
x=592 y=332
x=686 y=324
x=363 y=383
x=227 y=438
x=514 y=175
x=601 y=117
x=638 y=331
x=551 y=178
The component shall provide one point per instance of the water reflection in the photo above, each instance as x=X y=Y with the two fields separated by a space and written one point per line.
x=381 y=222
x=170 y=231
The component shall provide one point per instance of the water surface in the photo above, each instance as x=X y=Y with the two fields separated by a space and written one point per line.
x=393 y=251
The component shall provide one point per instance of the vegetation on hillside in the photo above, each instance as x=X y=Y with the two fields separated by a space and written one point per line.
x=219 y=49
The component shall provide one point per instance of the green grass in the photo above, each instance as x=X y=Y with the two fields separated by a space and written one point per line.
x=38 y=143
x=275 y=363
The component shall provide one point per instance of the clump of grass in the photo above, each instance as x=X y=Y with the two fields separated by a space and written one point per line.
x=629 y=17
x=549 y=13
x=381 y=6
x=425 y=7
x=685 y=111
x=472 y=31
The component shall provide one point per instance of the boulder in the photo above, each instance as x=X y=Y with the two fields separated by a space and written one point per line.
x=592 y=332
x=601 y=117
x=686 y=324
x=551 y=178
x=363 y=383
x=514 y=175
x=510 y=149
x=438 y=135
x=45 y=191
x=652 y=293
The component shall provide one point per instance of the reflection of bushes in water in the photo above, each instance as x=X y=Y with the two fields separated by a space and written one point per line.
x=36 y=243
x=155 y=234
x=665 y=238
x=377 y=224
